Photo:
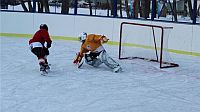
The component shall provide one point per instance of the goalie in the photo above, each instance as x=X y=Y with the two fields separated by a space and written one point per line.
x=94 y=53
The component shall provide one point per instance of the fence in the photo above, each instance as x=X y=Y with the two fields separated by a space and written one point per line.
x=155 y=10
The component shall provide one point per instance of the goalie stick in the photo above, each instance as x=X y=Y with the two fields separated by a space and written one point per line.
x=78 y=60
x=80 y=64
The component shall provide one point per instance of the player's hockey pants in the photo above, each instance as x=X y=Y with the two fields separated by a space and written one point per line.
x=41 y=53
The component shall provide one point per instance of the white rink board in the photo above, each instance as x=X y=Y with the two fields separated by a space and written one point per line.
x=184 y=37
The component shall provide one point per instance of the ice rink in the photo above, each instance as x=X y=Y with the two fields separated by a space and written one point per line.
x=141 y=87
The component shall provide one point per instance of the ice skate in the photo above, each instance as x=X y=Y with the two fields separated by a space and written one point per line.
x=117 y=69
x=47 y=67
x=43 y=70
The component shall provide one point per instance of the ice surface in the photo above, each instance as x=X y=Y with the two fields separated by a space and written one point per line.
x=141 y=87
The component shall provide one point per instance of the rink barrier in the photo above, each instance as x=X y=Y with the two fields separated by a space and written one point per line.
x=110 y=42
x=30 y=35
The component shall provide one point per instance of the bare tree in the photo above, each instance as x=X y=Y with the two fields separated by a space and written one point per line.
x=46 y=5
x=174 y=9
x=90 y=6
x=40 y=6
x=136 y=8
x=145 y=7
x=65 y=7
x=198 y=10
x=24 y=6
x=127 y=9
x=190 y=8
x=40 y=3
x=108 y=7
x=30 y=6
x=120 y=8
x=163 y=12
x=111 y=6
x=185 y=8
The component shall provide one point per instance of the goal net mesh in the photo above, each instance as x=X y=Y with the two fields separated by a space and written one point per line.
x=147 y=42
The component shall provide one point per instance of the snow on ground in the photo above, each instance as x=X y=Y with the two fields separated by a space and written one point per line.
x=142 y=87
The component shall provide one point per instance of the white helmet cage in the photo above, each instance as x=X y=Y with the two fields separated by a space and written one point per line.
x=82 y=36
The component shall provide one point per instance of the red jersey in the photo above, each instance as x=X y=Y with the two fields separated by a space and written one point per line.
x=41 y=36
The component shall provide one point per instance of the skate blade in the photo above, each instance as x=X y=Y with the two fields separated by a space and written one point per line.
x=118 y=70
x=43 y=73
x=48 y=70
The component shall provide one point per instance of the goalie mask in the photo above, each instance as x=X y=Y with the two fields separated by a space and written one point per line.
x=82 y=36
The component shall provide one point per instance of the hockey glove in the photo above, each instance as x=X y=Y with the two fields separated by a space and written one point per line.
x=46 y=51
x=78 y=59
x=48 y=45
x=104 y=39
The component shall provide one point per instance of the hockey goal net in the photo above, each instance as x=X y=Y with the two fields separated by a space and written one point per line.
x=147 y=42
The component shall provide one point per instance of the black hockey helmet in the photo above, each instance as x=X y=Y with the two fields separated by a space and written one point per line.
x=44 y=26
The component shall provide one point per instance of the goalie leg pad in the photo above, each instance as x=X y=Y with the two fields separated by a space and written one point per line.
x=95 y=62
x=108 y=61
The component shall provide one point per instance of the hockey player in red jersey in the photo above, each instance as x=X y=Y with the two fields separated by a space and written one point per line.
x=94 y=53
x=39 y=45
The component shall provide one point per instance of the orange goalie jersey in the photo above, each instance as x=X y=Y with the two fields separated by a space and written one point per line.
x=93 y=43
x=94 y=53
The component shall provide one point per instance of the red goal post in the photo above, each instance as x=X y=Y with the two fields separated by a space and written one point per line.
x=156 y=43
